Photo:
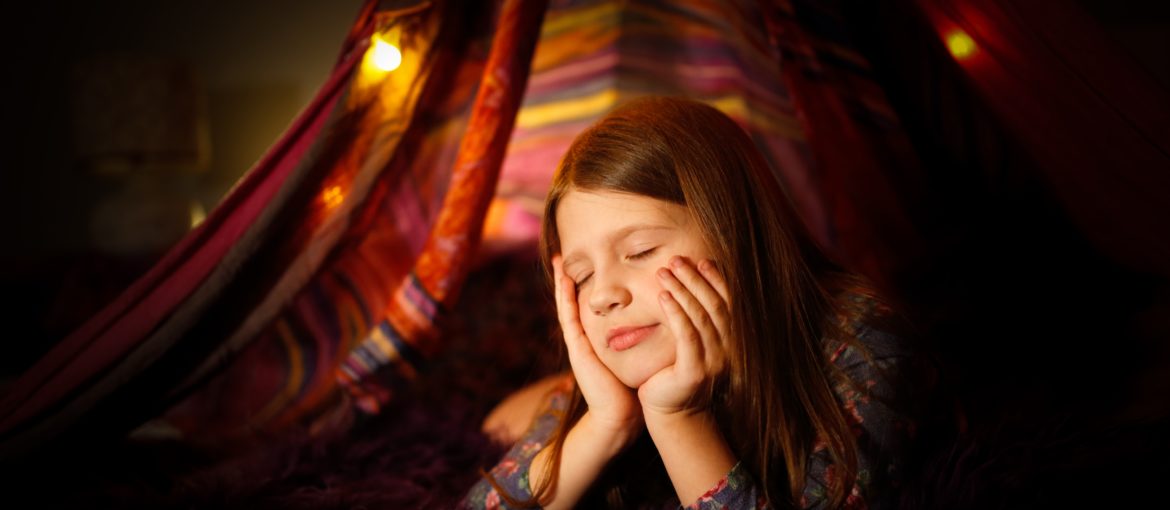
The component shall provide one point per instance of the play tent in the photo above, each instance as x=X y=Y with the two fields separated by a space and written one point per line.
x=322 y=284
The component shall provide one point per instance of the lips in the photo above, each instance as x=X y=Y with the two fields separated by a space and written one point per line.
x=620 y=339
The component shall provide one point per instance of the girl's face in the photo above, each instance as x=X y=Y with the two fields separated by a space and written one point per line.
x=613 y=244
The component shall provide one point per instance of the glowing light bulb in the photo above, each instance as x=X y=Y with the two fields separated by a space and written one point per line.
x=960 y=44
x=197 y=212
x=386 y=56
x=332 y=196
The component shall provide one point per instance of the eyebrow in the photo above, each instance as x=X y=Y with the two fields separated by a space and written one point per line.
x=617 y=236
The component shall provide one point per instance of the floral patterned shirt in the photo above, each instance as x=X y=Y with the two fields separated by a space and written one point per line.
x=881 y=432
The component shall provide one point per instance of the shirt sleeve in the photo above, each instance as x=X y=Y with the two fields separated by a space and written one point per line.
x=736 y=491
x=868 y=398
x=511 y=473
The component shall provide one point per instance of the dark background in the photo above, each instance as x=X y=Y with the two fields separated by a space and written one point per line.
x=1048 y=339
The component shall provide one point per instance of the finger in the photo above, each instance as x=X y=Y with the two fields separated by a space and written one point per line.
x=558 y=270
x=715 y=278
x=707 y=293
x=570 y=316
x=688 y=348
x=580 y=350
x=690 y=302
x=566 y=300
x=566 y=296
x=711 y=318
x=559 y=290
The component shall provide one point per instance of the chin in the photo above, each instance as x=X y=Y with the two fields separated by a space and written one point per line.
x=637 y=365
x=637 y=371
x=635 y=381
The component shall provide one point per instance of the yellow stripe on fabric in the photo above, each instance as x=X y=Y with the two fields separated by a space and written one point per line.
x=560 y=111
x=587 y=16
x=296 y=374
x=556 y=52
x=384 y=345
x=784 y=125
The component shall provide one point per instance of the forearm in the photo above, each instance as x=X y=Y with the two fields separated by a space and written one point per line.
x=694 y=451
x=587 y=450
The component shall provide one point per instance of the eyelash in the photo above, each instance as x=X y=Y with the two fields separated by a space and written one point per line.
x=636 y=256
x=642 y=255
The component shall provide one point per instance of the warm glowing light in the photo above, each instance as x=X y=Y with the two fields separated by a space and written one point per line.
x=332 y=196
x=960 y=44
x=386 y=56
x=197 y=212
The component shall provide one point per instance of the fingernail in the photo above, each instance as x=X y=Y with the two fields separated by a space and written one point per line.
x=664 y=296
x=664 y=273
x=705 y=265
x=676 y=262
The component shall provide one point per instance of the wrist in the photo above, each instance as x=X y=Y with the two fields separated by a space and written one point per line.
x=658 y=420
x=611 y=437
x=693 y=449
x=588 y=448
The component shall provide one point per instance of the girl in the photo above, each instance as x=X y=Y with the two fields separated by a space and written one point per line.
x=719 y=359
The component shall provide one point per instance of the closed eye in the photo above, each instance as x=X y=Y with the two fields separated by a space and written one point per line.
x=642 y=255
x=636 y=256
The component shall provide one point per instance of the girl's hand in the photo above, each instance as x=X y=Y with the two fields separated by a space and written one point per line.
x=613 y=407
x=696 y=307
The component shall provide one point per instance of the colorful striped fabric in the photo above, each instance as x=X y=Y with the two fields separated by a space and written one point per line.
x=240 y=329
x=593 y=55
x=374 y=307
x=119 y=367
x=338 y=255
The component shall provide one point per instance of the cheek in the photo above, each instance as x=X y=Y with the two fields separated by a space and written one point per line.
x=650 y=287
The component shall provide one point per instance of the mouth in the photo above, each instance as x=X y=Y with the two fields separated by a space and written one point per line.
x=620 y=339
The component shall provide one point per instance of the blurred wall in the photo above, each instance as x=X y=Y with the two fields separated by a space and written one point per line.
x=259 y=62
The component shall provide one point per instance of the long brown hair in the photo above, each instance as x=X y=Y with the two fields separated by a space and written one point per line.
x=778 y=399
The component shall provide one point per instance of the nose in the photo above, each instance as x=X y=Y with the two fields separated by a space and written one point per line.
x=607 y=296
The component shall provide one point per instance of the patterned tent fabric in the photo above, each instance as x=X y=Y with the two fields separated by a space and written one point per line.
x=244 y=322
x=404 y=258
x=122 y=352
x=346 y=274
x=591 y=56
x=321 y=281
x=410 y=328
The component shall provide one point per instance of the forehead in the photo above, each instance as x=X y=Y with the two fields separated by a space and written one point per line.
x=605 y=202
x=589 y=217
